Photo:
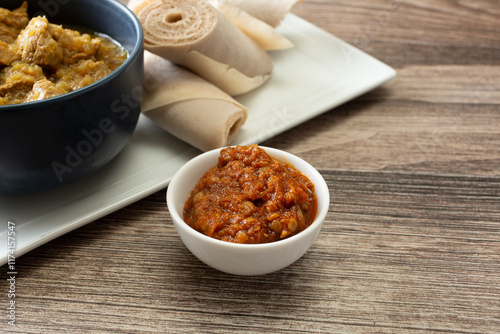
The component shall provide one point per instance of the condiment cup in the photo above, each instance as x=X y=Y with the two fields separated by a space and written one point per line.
x=243 y=259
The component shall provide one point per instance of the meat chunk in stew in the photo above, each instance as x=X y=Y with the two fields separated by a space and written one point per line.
x=8 y=54
x=12 y=22
x=75 y=46
x=81 y=74
x=37 y=46
x=18 y=80
x=43 y=89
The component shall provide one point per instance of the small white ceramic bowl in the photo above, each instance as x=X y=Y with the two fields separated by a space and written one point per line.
x=243 y=259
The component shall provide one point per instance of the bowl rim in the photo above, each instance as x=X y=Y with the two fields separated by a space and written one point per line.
x=136 y=52
x=321 y=188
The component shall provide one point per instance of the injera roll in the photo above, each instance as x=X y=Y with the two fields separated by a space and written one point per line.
x=193 y=34
x=188 y=106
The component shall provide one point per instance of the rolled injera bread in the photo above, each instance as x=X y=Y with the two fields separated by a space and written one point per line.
x=188 y=106
x=193 y=34
x=270 y=11
x=261 y=32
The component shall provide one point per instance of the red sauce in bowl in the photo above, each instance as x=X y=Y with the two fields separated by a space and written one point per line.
x=250 y=197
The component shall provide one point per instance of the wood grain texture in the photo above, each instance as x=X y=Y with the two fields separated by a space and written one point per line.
x=411 y=243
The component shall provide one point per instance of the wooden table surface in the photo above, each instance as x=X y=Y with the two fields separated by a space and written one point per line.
x=411 y=243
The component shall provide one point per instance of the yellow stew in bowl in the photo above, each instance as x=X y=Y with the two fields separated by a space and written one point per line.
x=39 y=60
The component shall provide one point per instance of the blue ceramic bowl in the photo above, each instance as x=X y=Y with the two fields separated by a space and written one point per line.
x=48 y=143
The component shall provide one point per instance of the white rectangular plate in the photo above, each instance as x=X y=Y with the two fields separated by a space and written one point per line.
x=318 y=74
